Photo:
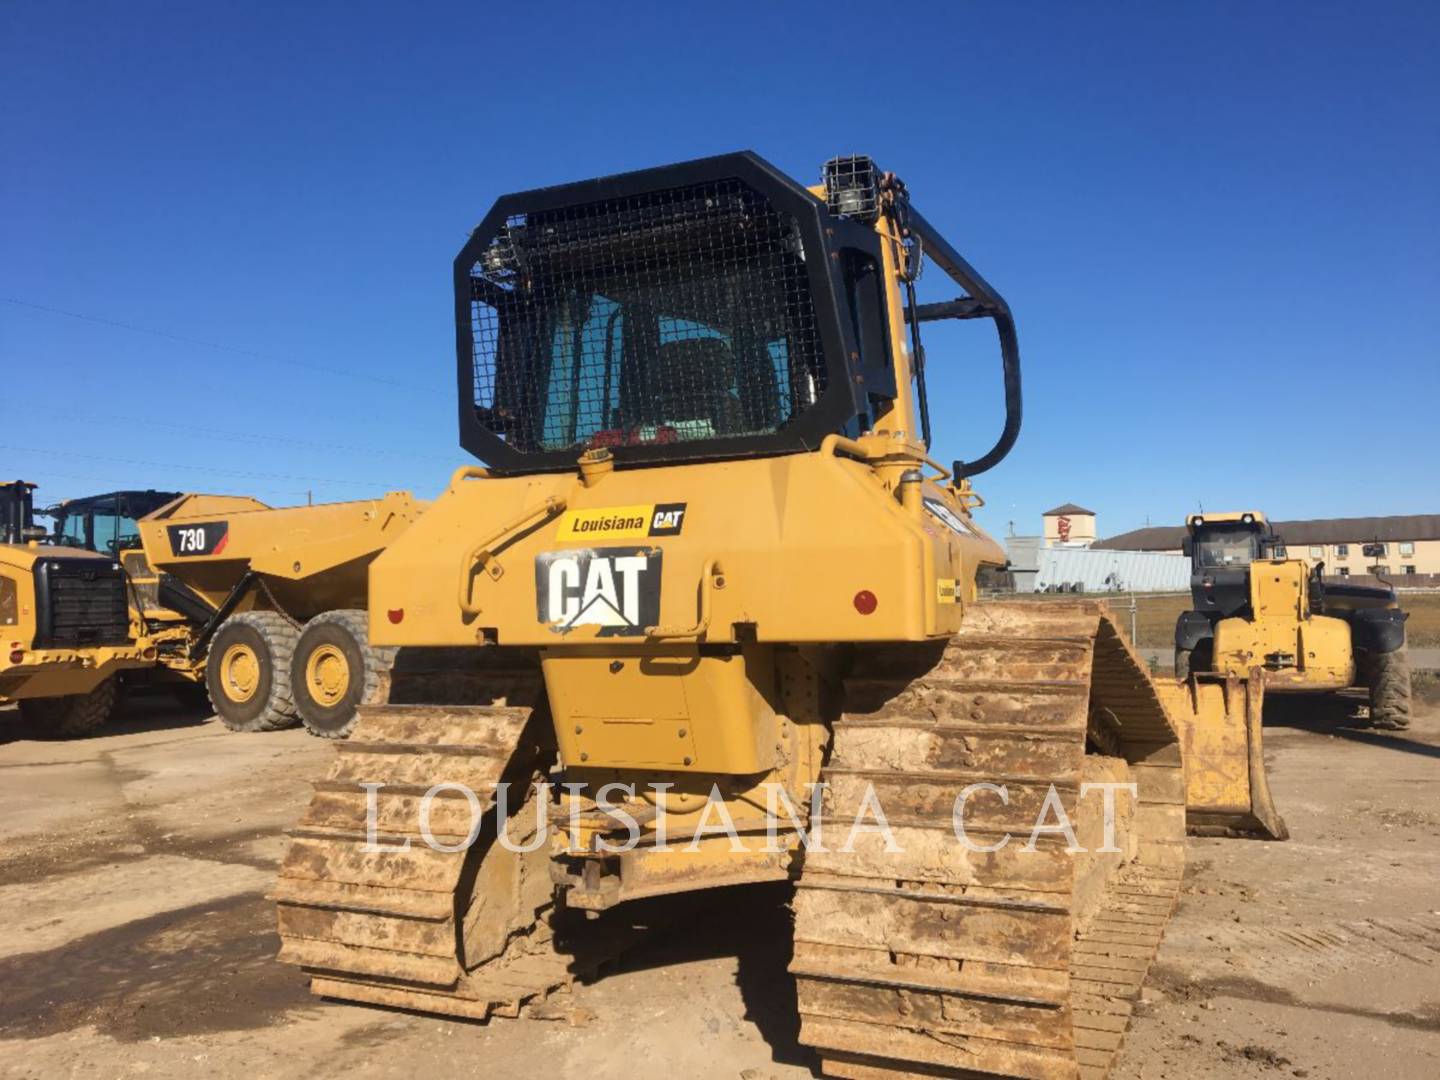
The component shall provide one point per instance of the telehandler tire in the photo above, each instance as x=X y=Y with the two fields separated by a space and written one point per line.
x=247 y=672
x=335 y=670
x=1389 y=684
x=73 y=714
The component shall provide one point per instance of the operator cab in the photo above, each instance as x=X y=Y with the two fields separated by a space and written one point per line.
x=107 y=523
x=1221 y=548
x=701 y=311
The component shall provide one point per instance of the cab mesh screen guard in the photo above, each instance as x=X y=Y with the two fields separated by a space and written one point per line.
x=686 y=312
x=706 y=310
x=671 y=316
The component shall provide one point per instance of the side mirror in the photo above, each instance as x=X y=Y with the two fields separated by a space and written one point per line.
x=1187 y=547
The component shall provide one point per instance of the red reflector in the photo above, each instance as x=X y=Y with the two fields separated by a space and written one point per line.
x=16 y=655
x=865 y=602
x=395 y=614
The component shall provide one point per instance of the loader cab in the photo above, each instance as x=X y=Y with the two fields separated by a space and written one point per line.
x=702 y=311
x=108 y=523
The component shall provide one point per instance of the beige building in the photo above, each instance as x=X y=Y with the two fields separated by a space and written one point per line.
x=1070 y=525
x=1394 y=547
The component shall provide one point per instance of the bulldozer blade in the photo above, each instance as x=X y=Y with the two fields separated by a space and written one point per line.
x=1226 y=790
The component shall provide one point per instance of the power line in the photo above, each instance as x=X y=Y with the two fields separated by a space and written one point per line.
x=241 y=436
x=109 y=481
x=253 y=353
x=198 y=468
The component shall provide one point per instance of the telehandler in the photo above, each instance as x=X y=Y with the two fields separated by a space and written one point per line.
x=65 y=633
x=1254 y=607
x=712 y=561
x=257 y=609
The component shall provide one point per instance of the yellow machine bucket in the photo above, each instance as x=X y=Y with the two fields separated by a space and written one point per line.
x=1226 y=790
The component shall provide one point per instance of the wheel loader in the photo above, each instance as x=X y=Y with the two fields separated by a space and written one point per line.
x=108 y=523
x=258 y=610
x=65 y=633
x=1254 y=607
x=711 y=593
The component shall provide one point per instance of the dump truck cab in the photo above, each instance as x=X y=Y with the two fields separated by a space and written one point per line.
x=107 y=523
x=64 y=623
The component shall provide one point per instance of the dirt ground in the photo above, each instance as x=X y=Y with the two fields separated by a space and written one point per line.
x=138 y=941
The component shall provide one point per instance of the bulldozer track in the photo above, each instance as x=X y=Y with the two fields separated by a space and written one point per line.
x=943 y=961
x=404 y=928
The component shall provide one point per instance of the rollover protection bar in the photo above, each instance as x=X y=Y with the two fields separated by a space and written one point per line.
x=983 y=302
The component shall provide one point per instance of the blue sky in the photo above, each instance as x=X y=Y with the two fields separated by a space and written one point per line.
x=1218 y=229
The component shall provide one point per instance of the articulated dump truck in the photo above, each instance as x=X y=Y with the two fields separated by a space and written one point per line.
x=711 y=563
x=265 y=607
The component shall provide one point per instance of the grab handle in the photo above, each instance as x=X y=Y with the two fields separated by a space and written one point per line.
x=711 y=577
x=483 y=554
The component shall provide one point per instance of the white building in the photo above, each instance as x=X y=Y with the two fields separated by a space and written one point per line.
x=1061 y=559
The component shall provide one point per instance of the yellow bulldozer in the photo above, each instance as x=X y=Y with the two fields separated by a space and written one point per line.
x=716 y=594
x=65 y=633
x=1255 y=608
x=259 y=610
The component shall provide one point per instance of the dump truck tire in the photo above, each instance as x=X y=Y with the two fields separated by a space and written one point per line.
x=1389 y=685
x=74 y=714
x=248 y=672
x=335 y=670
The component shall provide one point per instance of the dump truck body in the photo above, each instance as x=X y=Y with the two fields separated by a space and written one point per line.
x=311 y=558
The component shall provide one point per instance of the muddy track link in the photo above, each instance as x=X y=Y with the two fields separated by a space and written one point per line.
x=467 y=933
x=943 y=962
